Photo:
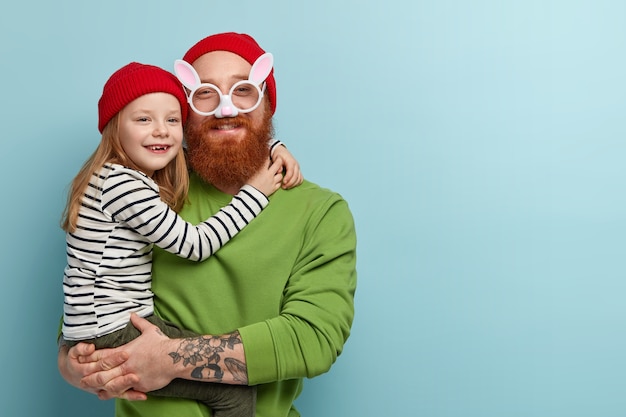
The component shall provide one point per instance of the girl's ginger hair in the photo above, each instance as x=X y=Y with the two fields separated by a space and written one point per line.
x=173 y=179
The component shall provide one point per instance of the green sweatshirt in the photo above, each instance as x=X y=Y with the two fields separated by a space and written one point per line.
x=286 y=282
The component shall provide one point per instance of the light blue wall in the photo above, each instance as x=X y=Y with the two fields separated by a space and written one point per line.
x=481 y=145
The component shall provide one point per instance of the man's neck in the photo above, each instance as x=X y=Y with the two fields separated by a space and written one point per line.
x=230 y=189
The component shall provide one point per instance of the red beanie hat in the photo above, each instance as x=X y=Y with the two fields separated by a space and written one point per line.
x=238 y=43
x=133 y=81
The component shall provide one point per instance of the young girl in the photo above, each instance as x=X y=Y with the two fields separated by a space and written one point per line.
x=125 y=199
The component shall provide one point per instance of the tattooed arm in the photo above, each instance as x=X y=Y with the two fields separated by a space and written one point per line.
x=155 y=360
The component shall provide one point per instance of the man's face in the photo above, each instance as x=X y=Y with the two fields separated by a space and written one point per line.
x=227 y=151
x=224 y=69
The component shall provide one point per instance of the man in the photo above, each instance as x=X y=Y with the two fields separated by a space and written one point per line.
x=276 y=303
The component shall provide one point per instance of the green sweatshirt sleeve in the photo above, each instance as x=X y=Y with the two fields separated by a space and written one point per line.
x=308 y=335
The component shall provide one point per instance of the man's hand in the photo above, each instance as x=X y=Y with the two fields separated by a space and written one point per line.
x=145 y=367
x=103 y=368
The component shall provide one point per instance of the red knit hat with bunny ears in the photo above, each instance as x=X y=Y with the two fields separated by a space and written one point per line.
x=238 y=43
x=133 y=81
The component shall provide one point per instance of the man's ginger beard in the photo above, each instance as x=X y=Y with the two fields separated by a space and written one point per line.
x=228 y=162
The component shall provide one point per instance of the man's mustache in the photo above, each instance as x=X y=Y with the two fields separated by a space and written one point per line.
x=214 y=123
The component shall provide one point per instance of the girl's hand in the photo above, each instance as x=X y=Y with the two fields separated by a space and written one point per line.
x=267 y=180
x=293 y=176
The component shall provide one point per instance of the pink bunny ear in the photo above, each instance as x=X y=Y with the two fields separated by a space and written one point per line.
x=186 y=74
x=261 y=68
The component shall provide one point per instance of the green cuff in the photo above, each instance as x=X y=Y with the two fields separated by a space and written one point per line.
x=260 y=353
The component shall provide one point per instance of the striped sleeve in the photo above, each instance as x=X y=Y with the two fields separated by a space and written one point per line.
x=133 y=199
x=273 y=144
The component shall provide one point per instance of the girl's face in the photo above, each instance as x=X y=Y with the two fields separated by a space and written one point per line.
x=151 y=131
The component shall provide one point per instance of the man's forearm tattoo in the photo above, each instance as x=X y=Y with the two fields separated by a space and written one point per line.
x=208 y=356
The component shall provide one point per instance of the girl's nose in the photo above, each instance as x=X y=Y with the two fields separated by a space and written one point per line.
x=161 y=130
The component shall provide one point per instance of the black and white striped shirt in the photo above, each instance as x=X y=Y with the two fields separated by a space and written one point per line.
x=109 y=256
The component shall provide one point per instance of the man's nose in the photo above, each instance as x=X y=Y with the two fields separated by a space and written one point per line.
x=226 y=108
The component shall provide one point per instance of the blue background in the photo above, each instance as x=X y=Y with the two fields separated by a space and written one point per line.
x=480 y=144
